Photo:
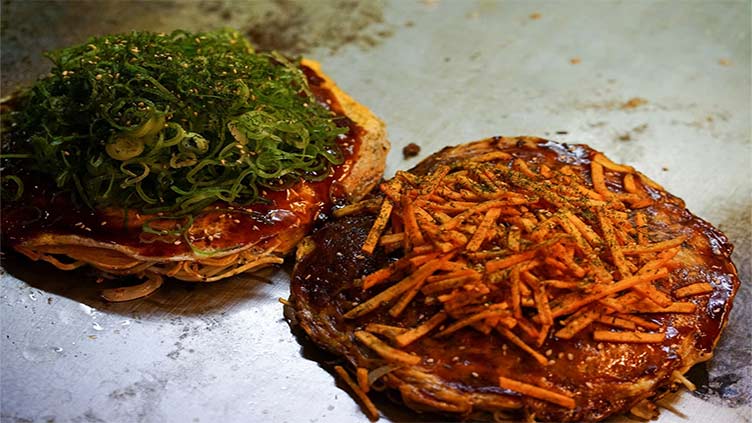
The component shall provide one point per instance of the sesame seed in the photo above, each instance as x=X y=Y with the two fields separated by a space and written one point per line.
x=570 y=356
x=475 y=374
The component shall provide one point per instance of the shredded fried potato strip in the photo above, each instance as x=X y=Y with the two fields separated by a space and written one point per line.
x=526 y=252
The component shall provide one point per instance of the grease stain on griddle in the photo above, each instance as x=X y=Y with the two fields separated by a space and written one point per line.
x=142 y=398
x=29 y=28
x=634 y=103
x=297 y=27
x=632 y=134
x=630 y=104
x=293 y=27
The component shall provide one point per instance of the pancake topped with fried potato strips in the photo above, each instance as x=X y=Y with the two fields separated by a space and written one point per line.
x=517 y=279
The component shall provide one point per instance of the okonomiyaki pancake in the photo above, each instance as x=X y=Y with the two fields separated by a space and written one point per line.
x=517 y=279
x=212 y=166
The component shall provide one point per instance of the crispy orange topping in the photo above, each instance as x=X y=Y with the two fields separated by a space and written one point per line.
x=368 y=407
x=524 y=251
x=537 y=392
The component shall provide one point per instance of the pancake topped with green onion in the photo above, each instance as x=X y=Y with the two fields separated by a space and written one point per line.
x=183 y=155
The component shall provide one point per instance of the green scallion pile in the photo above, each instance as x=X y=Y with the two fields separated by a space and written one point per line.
x=172 y=123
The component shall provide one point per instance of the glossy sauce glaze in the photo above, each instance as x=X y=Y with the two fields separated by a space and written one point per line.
x=44 y=210
x=598 y=374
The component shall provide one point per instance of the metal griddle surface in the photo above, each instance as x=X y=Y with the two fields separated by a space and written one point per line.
x=439 y=73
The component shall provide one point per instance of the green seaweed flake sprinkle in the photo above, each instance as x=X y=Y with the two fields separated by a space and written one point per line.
x=174 y=122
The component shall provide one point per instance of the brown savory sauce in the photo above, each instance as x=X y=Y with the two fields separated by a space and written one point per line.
x=325 y=286
x=43 y=209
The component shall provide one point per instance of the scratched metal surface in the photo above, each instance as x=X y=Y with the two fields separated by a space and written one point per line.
x=439 y=73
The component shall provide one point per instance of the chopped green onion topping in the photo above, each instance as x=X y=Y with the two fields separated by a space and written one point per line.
x=173 y=122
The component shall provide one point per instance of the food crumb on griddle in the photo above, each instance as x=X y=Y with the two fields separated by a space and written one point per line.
x=411 y=150
x=634 y=103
